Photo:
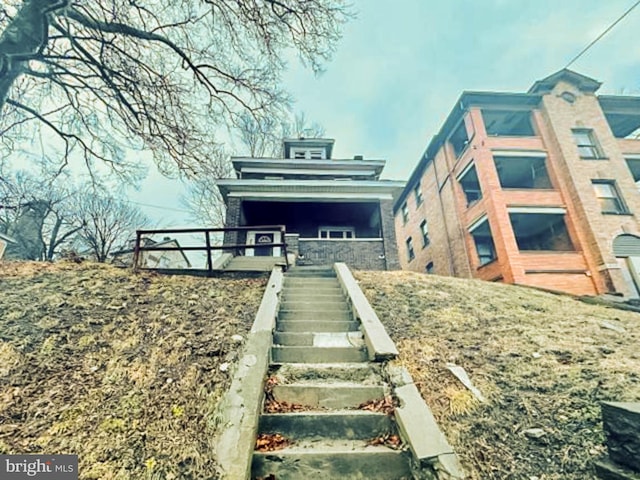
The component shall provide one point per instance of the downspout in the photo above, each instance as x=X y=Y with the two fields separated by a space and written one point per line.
x=452 y=269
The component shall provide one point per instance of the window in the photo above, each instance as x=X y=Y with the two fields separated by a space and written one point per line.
x=608 y=197
x=424 y=229
x=586 y=142
x=522 y=172
x=336 y=233
x=418 y=193
x=308 y=153
x=511 y=123
x=405 y=212
x=459 y=139
x=410 y=253
x=316 y=154
x=481 y=233
x=634 y=168
x=471 y=185
x=538 y=231
x=624 y=125
x=430 y=267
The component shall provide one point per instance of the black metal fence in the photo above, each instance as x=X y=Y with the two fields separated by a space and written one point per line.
x=207 y=247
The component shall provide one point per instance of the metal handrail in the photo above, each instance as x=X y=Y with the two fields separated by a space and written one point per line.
x=208 y=248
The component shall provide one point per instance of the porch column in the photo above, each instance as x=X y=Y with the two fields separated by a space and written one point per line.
x=234 y=208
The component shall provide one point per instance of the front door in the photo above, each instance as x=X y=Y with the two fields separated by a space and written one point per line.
x=257 y=238
x=262 y=238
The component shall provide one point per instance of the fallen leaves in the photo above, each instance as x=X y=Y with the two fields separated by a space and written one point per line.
x=387 y=440
x=271 y=405
x=269 y=442
x=386 y=405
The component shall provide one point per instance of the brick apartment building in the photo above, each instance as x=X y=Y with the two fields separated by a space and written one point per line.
x=334 y=210
x=535 y=188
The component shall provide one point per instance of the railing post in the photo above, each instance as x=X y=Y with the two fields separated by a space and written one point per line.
x=209 y=262
x=283 y=232
x=136 y=251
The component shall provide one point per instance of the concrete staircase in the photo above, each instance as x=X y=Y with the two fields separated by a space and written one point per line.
x=319 y=363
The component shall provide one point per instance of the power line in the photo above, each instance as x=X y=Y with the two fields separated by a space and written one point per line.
x=607 y=30
x=158 y=206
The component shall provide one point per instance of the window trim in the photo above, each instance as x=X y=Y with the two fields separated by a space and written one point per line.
x=344 y=230
x=405 y=212
x=594 y=145
x=411 y=254
x=425 y=233
x=417 y=192
x=306 y=153
x=465 y=171
x=624 y=210
x=472 y=228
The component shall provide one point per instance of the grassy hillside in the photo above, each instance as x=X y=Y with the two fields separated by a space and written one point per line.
x=543 y=361
x=126 y=369
x=123 y=369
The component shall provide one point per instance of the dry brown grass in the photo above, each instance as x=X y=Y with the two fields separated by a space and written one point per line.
x=542 y=360
x=121 y=369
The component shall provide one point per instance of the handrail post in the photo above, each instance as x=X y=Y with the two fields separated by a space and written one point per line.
x=136 y=251
x=209 y=262
x=283 y=232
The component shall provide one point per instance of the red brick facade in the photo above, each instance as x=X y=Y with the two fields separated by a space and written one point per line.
x=557 y=106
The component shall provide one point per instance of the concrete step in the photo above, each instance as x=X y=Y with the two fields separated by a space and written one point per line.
x=319 y=339
x=291 y=295
x=315 y=316
x=329 y=394
x=332 y=459
x=285 y=354
x=315 y=305
x=297 y=273
x=347 y=424
x=358 y=373
x=316 y=326
x=311 y=292
x=310 y=282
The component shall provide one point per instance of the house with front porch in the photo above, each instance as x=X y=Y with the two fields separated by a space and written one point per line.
x=332 y=210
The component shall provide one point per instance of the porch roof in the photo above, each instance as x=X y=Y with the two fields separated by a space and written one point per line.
x=303 y=190
x=366 y=167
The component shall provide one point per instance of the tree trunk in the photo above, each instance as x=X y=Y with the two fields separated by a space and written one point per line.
x=23 y=39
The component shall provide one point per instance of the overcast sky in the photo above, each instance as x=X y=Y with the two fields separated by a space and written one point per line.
x=402 y=64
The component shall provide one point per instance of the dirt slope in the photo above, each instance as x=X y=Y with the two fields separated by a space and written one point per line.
x=123 y=369
x=543 y=361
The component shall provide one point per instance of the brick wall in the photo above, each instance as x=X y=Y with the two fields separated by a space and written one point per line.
x=595 y=230
x=233 y=219
x=358 y=254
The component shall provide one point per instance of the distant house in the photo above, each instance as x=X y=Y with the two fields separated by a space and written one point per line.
x=334 y=210
x=4 y=241
x=162 y=259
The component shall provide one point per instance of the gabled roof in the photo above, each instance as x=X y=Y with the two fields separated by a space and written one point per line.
x=584 y=83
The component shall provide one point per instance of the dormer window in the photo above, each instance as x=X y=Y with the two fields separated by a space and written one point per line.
x=308 y=153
